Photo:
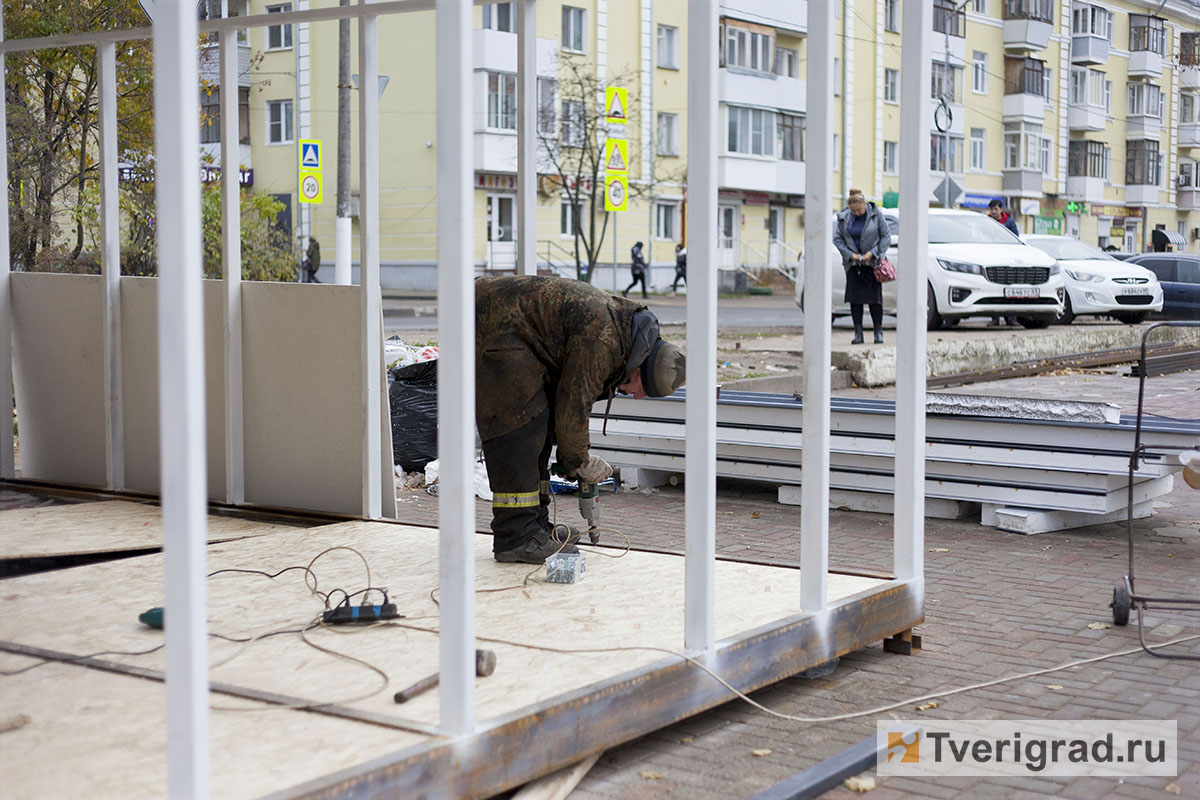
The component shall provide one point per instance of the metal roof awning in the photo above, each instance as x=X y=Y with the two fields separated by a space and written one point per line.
x=1165 y=237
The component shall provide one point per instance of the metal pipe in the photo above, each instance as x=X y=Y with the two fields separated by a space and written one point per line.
x=701 y=409
x=909 y=533
x=368 y=225
x=110 y=266
x=343 y=226
x=818 y=309
x=181 y=395
x=7 y=435
x=456 y=370
x=527 y=107
x=231 y=257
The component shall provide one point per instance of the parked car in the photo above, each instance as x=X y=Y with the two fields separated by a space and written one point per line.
x=1099 y=284
x=1179 y=275
x=975 y=267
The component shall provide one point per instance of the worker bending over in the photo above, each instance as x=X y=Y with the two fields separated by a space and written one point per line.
x=546 y=349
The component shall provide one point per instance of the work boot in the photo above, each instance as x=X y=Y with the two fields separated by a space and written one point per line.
x=858 y=334
x=545 y=543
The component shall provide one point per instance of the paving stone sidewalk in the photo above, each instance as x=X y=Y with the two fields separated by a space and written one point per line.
x=997 y=604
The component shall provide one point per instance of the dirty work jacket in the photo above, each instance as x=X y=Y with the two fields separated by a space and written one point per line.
x=548 y=341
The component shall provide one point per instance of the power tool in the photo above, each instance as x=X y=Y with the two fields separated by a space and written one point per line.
x=589 y=508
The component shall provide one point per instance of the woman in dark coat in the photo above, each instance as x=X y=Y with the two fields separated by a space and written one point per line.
x=862 y=237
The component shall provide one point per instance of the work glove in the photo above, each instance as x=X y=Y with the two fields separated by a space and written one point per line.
x=594 y=470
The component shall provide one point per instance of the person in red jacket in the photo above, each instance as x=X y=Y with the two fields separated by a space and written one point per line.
x=996 y=211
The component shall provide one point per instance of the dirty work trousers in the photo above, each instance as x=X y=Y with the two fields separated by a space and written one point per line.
x=518 y=465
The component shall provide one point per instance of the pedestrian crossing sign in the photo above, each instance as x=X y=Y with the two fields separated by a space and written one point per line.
x=616 y=104
x=616 y=156
x=310 y=154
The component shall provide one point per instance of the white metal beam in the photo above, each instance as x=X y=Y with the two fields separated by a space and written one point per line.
x=818 y=308
x=527 y=107
x=701 y=462
x=368 y=247
x=181 y=395
x=7 y=437
x=110 y=266
x=909 y=532
x=456 y=367
x=231 y=257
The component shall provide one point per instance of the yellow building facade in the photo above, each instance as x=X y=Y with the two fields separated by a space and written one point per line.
x=1083 y=117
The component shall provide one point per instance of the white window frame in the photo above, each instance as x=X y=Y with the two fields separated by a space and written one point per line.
x=1187 y=107
x=939 y=73
x=1022 y=146
x=978 y=152
x=574 y=29
x=787 y=62
x=748 y=50
x=891 y=85
x=796 y=121
x=1047 y=83
x=501 y=86
x=668 y=47
x=283 y=31
x=572 y=132
x=1046 y=156
x=891 y=16
x=837 y=154
x=569 y=214
x=979 y=6
x=951 y=150
x=666 y=221
x=493 y=19
x=979 y=72
x=668 y=134
x=281 y=120
x=547 y=110
x=837 y=77
x=750 y=131
x=890 y=158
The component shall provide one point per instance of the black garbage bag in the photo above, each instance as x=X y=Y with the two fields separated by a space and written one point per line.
x=412 y=396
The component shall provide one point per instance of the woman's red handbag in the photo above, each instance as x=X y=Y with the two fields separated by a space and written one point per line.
x=885 y=270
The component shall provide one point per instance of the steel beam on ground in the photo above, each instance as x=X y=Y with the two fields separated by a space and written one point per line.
x=231 y=265
x=181 y=395
x=110 y=266
x=456 y=369
x=701 y=408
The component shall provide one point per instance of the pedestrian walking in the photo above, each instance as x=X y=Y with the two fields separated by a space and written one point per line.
x=680 y=267
x=638 y=269
x=312 y=260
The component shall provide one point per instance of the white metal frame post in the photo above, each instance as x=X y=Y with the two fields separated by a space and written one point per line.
x=818 y=309
x=181 y=395
x=527 y=106
x=908 y=549
x=700 y=512
x=368 y=221
x=7 y=437
x=110 y=266
x=231 y=256
x=456 y=368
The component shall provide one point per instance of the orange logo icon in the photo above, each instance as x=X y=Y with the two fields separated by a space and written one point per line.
x=904 y=747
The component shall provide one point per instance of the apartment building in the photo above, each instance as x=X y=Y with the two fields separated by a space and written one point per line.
x=1083 y=116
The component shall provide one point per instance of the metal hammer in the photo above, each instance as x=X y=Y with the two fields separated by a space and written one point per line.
x=485 y=664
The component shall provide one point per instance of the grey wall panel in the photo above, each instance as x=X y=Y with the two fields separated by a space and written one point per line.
x=302 y=346
x=58 y=374
x=139 y=349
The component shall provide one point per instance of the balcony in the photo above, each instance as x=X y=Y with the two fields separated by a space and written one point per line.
x=1023 y=182
x=1189 y=60
x=1188 y=198
x=1028 y=24
x=1137 y=194
x=1087 y=48
x=1145 y=64
x=1189 y=77
x=1143 y=126
x=1189 y=134
x=1087 y=117
x=791 y=17
x=210 y=64
x=1086 y=188
x=749 y=173
x=496 y=51
x=761 y=89
x=1024 y=107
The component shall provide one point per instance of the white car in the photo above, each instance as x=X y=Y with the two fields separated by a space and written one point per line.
x=1097 y=283
x=975 y=267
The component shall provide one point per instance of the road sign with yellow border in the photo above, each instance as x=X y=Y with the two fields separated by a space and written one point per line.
x=310 y=171
x=616 y=104
x=616 y=156
x=311 y=188
x=616 y=192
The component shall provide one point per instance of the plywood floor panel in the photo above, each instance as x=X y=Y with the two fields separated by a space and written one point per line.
x=103 y=527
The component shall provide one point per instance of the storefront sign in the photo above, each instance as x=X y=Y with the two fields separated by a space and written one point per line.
x=491 y=180
x=757 y=199
x=795 y=201
x=970 y=200
x=1051 y=226
x=1116 y=211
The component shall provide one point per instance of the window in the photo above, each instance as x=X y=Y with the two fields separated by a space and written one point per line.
x=837 y=154
x=1047 y=156
x=1079 y=85
x=668 y=47
x=210 y=116
x=1187 y=108
x=1146 y=34
x=1144 y=100
x=668 y=134
x=502 y=101
x=978 y=148
x=500 y=17
x=1022 y=146
x=979 y=6
x=1024 y=76
x=279 y=122
x=751 y=131
x=570 y=217
x=546 y=119
x=946 y=81
x=666 y=217
x=891 y=16
x=1143 y=163
x=1088 y=20
x=1108 y=97
x=947 y=20
x=890 y=154
x=572 y=123
x=891 y=85
x=572 y=29
x=1047 y=83
x=279 y=37
x=1040 y=10
x=787 y=60
x=791 y=137
x=1088 y=159
x=749 y=49
x=837 y=77
x=945 y=152
x=979 y=72
x=1189 y=49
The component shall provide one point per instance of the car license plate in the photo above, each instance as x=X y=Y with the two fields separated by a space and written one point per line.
x=1140 y=291
x=1021 y=292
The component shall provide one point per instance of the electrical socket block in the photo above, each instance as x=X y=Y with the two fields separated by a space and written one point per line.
x=565 y=568
x=346 y=614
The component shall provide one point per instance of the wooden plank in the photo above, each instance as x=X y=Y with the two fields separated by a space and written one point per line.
x=557 y=785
